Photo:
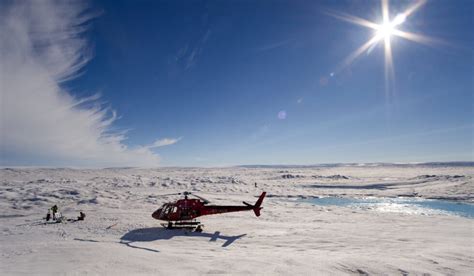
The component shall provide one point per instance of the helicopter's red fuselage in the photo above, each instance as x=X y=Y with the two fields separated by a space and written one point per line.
x=188 y=209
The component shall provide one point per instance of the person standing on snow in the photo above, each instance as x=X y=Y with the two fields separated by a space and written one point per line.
x=48 y=215
x=55 y=210
x=81 y=216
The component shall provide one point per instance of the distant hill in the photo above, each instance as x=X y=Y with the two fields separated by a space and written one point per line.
x=433 y=164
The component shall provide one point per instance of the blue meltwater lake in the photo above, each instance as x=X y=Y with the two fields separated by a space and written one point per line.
x=416 y=206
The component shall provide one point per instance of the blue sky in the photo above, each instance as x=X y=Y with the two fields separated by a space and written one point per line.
x=260 y=82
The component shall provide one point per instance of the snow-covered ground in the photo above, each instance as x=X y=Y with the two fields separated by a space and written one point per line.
x=119 y=236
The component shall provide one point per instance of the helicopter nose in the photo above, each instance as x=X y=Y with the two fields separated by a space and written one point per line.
x=156 y=214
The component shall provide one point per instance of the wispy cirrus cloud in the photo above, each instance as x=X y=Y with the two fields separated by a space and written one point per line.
x=42 y=44
x=188 y=55
x=275 y=45
x=163 y=142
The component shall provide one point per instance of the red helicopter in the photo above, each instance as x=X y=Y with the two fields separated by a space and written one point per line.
x=182 y=213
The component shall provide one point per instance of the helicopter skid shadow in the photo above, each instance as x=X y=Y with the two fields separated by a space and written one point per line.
x=158 y=233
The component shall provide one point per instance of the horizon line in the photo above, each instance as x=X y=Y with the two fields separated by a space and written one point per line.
x=360 y=164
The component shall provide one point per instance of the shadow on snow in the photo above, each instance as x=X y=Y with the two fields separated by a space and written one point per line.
x=158 y=233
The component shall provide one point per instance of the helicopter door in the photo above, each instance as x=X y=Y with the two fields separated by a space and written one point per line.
x=174 y=210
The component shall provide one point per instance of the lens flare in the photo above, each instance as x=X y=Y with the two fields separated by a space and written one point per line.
x=282 y=115
x=399 y=19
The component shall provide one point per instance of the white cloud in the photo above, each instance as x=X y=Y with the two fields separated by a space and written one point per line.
x=163 y=142
x=41 y=46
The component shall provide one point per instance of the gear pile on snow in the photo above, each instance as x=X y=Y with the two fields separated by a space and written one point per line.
x=56 y=217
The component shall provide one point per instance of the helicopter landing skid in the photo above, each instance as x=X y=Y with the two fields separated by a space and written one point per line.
x=195 y=226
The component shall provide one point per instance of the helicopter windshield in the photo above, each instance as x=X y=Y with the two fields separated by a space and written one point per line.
x=168 y=209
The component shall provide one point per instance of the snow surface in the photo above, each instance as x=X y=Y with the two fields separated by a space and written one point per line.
x=119 y=236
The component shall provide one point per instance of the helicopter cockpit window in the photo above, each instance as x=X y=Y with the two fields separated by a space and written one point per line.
x=168 y=209
x=174 y=209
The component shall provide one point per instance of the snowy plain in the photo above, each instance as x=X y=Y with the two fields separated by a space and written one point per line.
x=120 y=237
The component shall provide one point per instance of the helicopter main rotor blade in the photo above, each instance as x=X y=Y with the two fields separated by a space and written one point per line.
x=200 y=197
x=186 y=193
x=170 y=194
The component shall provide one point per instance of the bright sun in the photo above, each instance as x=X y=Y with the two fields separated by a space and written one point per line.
x=382 y=34
x=386 y=29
